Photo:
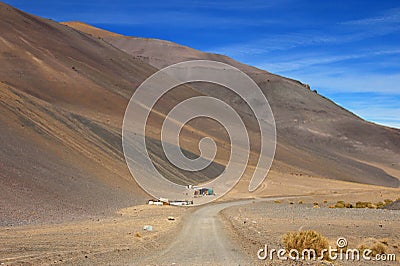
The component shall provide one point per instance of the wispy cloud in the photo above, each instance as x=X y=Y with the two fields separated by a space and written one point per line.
x=390 y=16
x=272 y=43
x=380 y=108
x=331 y=81
x=291 y=63
x=289 y=41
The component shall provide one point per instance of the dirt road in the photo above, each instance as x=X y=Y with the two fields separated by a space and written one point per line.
x=202 y=241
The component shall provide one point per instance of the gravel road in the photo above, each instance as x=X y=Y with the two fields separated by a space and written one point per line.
x=202 y=241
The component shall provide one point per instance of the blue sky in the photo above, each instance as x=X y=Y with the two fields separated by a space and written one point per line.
x=348 y=50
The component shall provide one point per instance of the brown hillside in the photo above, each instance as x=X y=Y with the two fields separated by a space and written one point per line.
x=315 y=136
x=63 y=94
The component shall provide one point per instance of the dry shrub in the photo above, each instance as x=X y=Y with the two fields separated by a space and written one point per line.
x=340 y=204
x=137 y=234
x=388 y=201
x=300 y=202
x=377 y=246
x=363 y=204
x=309 y=239
x=380 y=204
x=277 y=201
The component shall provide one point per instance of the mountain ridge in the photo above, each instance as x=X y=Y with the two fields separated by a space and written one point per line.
x=62 y=101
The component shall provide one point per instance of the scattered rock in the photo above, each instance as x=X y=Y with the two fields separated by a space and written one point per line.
x=148 y=228
x=171 y=218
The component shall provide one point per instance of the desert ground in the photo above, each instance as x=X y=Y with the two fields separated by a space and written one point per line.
x=228 y=232
x=117 y=239
x=258 y=224
x=67 y=196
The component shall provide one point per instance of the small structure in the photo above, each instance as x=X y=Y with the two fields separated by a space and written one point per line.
x=163 y=201
x=148 y=228
x=158 y=202
x=181 y=202
x=203 y=192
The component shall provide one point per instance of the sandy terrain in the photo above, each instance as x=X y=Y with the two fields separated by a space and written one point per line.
x=256 y=224
x=198 y=236
x=117 y=240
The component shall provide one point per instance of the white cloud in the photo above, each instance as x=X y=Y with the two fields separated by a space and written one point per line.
x=303 y=61
x=351 y=82
x=390 y=16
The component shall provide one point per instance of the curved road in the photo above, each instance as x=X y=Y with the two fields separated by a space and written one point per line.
x=202 y=241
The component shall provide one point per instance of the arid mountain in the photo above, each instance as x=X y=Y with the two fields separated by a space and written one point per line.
x=63 y=94
x=316 y=136
x=95 y=32
x=62 y=101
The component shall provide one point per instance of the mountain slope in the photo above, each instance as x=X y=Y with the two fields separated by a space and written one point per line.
x=63 y=94
x=61 y=103
x=315 y=136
